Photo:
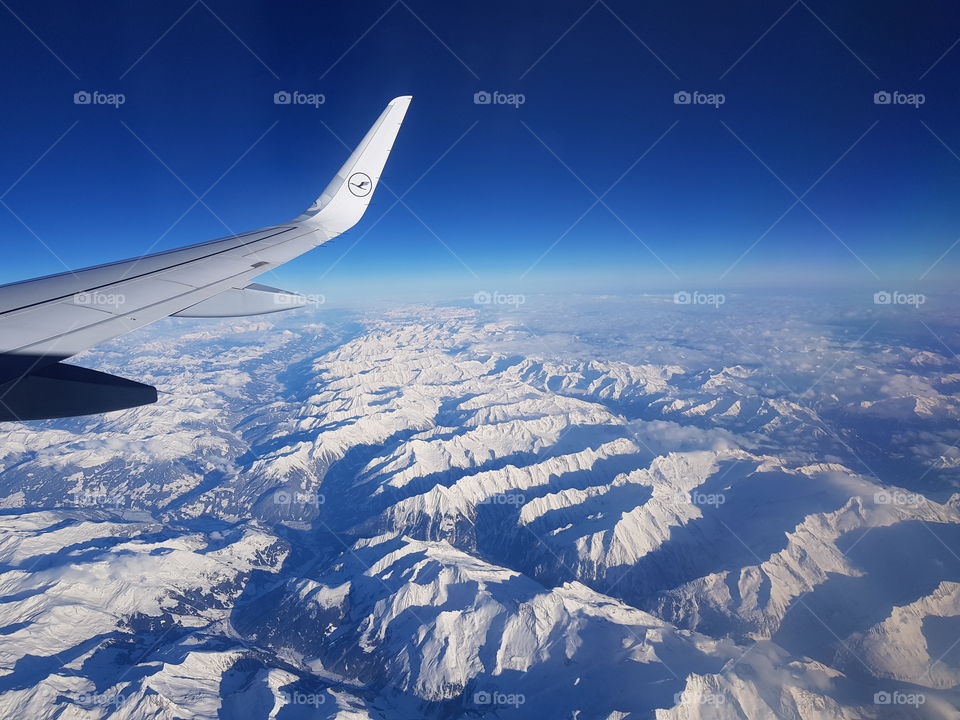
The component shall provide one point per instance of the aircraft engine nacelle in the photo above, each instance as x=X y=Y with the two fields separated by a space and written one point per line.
x=57 y=390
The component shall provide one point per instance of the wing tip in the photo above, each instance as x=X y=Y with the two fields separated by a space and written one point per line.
x=340 y=207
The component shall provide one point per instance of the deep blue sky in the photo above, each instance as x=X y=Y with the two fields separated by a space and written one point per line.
x=598 y=99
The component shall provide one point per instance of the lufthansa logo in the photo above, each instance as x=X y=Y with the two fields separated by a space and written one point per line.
x=360 y=184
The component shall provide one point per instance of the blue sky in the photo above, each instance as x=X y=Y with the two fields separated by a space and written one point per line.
x=505 y=196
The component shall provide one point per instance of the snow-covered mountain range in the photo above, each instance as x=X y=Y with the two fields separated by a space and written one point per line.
x=609 y=508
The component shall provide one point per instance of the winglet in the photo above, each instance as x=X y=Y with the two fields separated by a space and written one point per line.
x=342 y=203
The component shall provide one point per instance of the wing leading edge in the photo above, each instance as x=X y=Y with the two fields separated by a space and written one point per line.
x=46 y=320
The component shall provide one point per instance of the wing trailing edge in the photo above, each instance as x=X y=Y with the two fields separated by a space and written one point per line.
x=253 y=299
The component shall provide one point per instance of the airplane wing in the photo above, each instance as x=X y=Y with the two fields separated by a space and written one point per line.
x=46 y=320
